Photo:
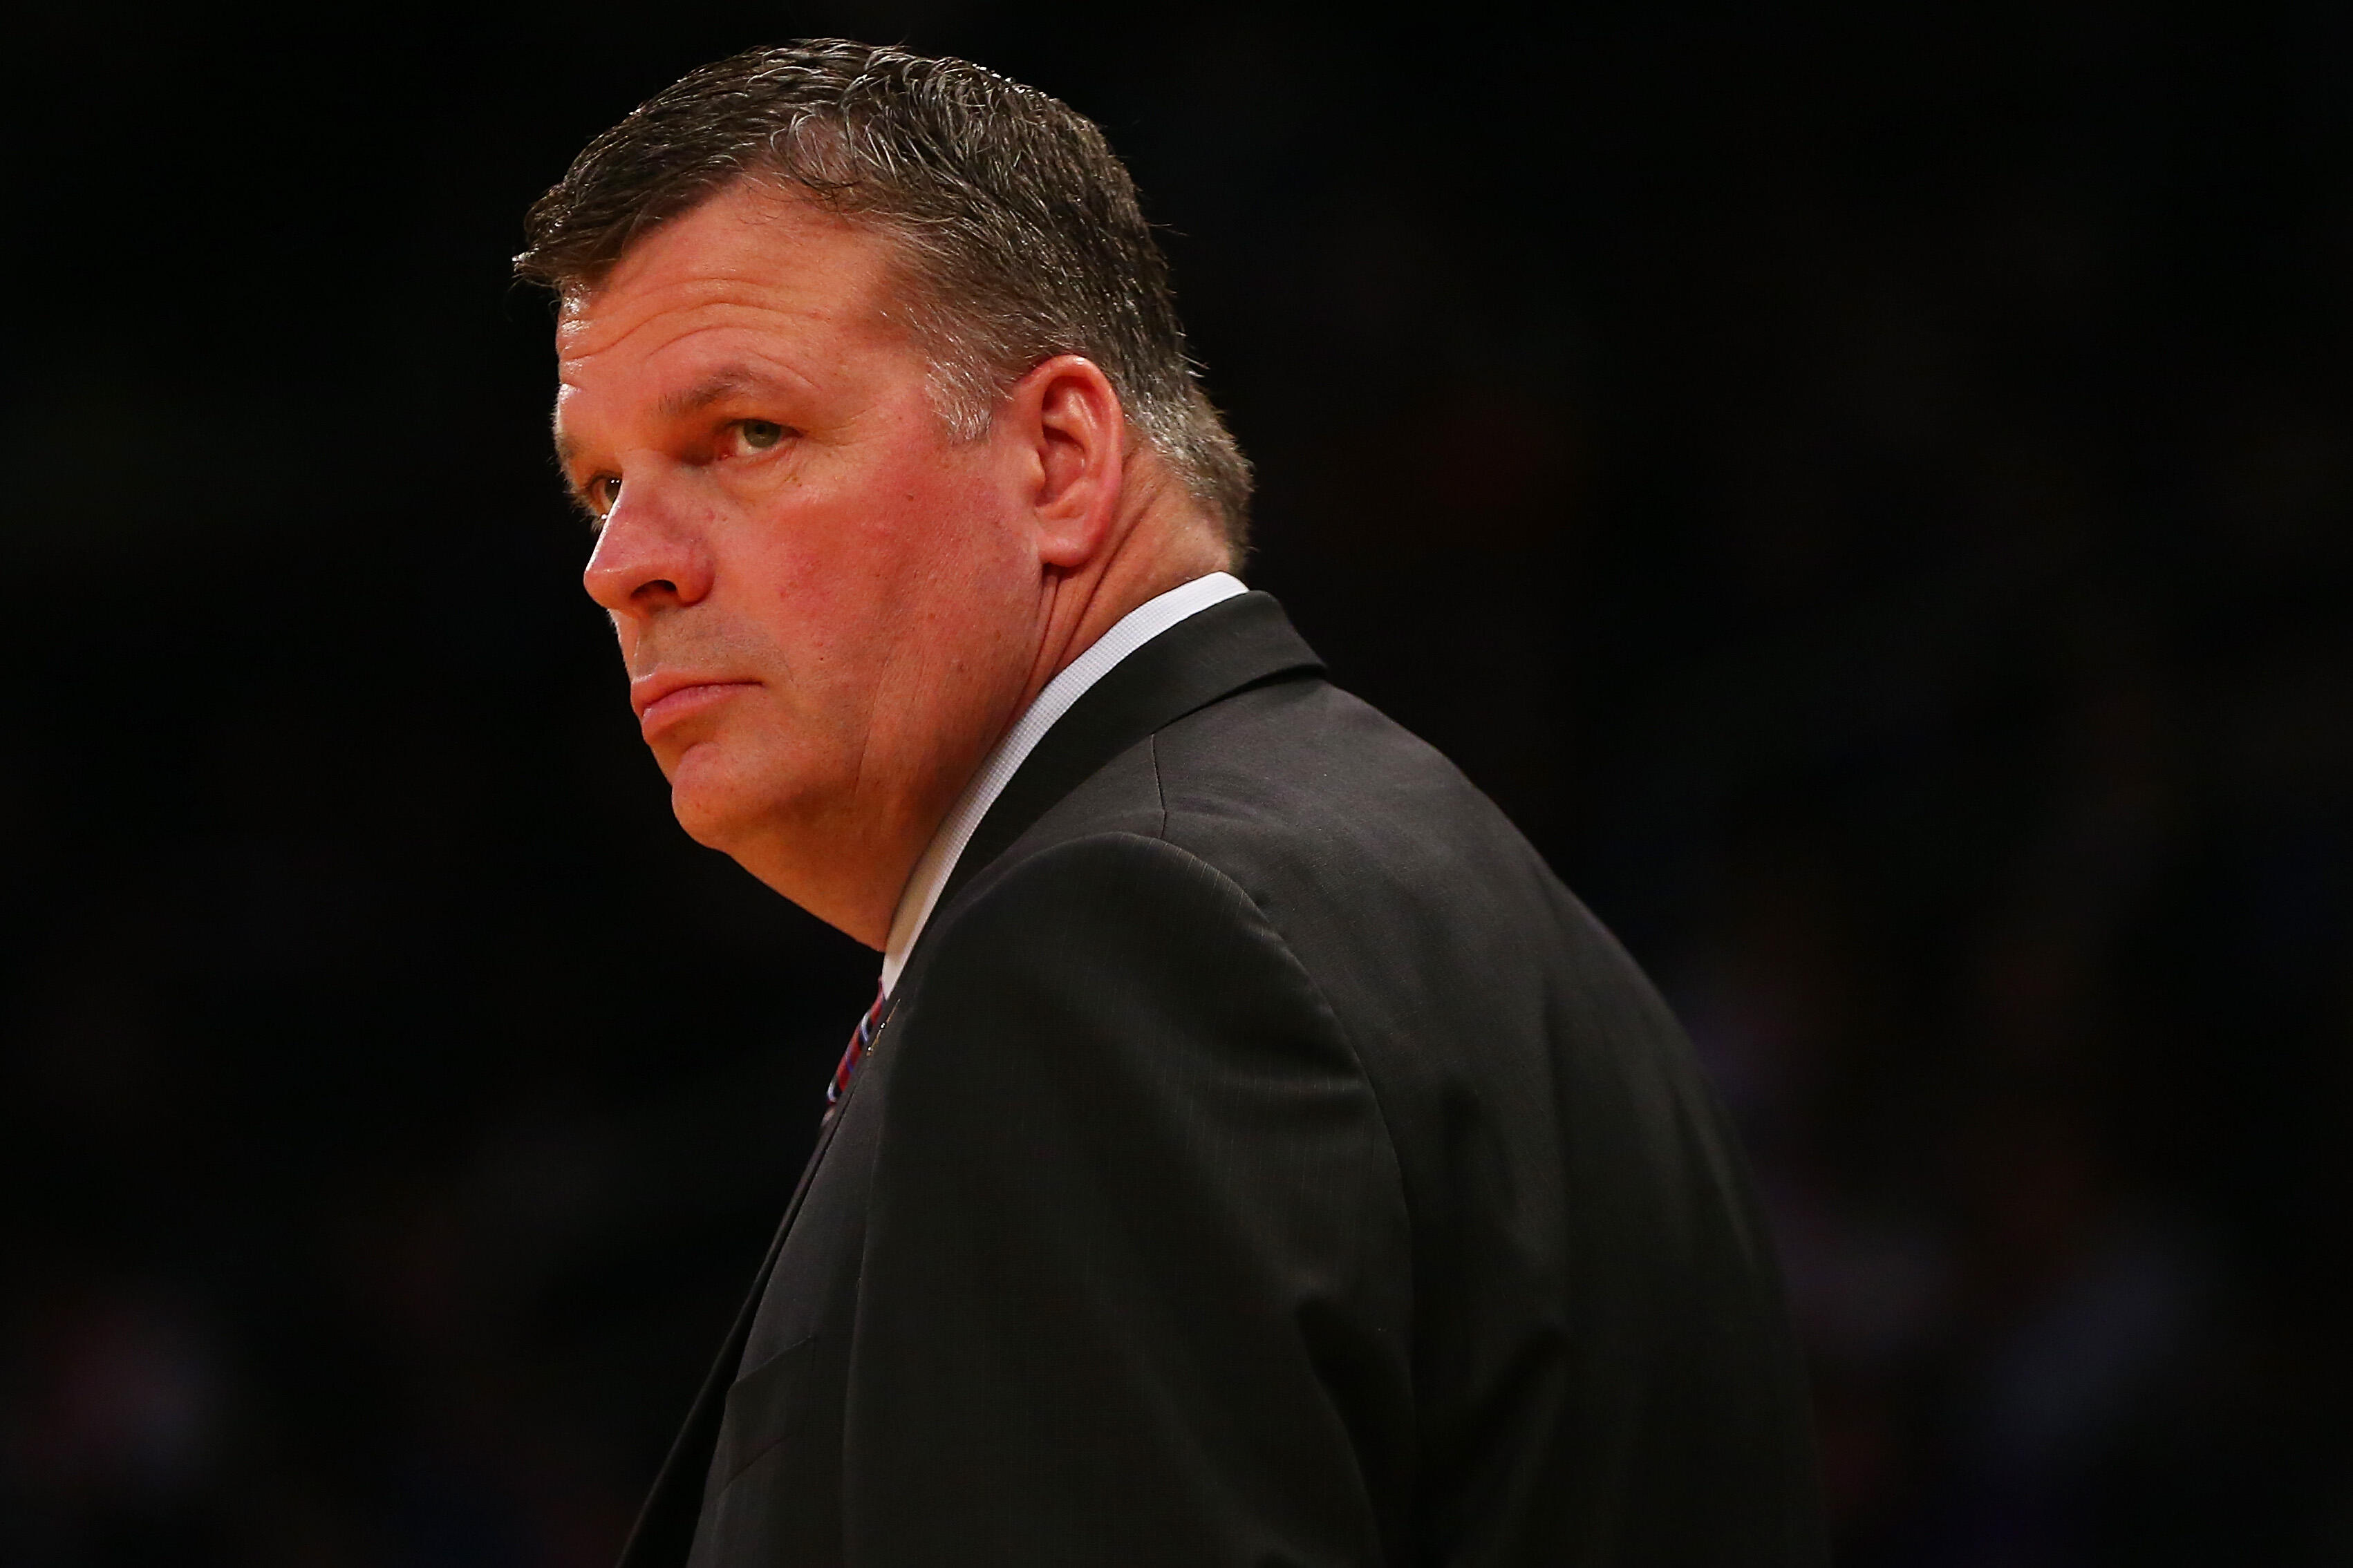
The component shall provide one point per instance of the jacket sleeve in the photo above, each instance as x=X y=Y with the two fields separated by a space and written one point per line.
x=1134 y=1288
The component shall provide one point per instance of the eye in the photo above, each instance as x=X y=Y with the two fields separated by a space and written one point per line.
x=604 y=493
x=759 y=434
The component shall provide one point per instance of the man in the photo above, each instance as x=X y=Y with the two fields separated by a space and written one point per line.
x=1254 y=1155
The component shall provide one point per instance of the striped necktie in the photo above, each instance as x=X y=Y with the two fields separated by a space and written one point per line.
x=860 y=1038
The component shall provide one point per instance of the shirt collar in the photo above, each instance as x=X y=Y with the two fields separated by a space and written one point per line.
x=938 y=861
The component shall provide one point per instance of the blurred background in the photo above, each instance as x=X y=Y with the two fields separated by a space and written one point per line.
x=1869 y=496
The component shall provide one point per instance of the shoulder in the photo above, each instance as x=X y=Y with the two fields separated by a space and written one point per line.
x=1292 y=771
x=1363 y=844
x=1306 y=768
x=1295 y=809
x=1108 y=919
x=1304 y=819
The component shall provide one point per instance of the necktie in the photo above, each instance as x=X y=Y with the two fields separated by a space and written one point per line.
x=860 y=1038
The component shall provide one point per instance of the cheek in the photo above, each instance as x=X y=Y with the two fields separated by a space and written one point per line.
x=972 y=520
x=845 y=564
x=943 y=529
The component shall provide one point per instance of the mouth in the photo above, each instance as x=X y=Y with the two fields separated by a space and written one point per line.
x=661 y=701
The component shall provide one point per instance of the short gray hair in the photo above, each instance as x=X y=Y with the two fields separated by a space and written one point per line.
x=1019 y=226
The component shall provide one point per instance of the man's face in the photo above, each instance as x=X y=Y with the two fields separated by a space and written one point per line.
x=826 y=602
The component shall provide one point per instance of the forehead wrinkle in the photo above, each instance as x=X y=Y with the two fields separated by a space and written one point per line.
x=782 y=277
x=745 y=318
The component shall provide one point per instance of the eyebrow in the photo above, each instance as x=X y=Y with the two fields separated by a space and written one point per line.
x=717 y=388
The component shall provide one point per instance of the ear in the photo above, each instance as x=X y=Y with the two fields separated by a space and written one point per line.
x=1071 y=434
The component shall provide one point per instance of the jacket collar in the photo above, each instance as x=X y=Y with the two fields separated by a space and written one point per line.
x=1240 y=642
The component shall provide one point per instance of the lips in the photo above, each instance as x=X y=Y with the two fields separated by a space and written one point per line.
x=663 y=699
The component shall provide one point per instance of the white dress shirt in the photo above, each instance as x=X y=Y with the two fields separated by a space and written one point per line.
x=938 y=861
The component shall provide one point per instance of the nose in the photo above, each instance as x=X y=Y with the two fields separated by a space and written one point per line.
x=650 y=556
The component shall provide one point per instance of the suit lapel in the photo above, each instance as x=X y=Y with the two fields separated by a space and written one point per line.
x=664 y=1533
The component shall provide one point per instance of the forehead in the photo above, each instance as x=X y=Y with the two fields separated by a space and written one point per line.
x=752 y=274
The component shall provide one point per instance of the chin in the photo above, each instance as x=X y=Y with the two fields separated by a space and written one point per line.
x=719 y=818
x=733 y=809
x=712 y=829
x=713 y=802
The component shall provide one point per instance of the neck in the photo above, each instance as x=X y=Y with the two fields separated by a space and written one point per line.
x=1158 y=543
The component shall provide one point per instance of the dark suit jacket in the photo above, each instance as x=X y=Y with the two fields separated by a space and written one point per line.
x=1265 y=1161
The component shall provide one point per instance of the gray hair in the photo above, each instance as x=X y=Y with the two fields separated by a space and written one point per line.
x=1018 y=225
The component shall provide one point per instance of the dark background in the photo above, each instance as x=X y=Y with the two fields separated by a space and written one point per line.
x=1870 y=496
